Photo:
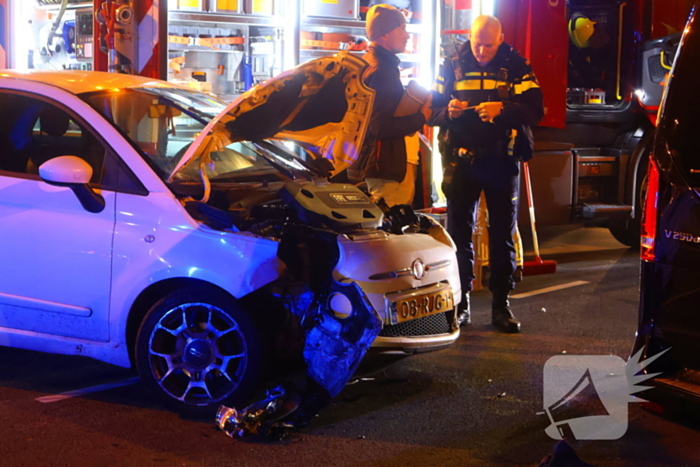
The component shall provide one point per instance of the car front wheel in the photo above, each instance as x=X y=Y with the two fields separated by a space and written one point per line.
x=197 y=349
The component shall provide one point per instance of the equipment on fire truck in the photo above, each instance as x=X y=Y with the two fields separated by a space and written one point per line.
x=580 y=96
x=587 y=33
x=220 y=68
x=48 y=50
x=84 y=42
x=588 y=61
x=218 y=57
x=45 y=34
x=457 y=17
x=53 y=3
x=250 y=7
x=349 y=9
x=580 y=30
x=118 y=36
x=537 y=265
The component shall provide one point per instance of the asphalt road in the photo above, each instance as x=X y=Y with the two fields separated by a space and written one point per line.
x=478 y=403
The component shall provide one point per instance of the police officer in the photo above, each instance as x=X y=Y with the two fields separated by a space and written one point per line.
x=485 y=98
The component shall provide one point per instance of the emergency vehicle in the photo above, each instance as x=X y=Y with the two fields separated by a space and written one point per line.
x=601 y=66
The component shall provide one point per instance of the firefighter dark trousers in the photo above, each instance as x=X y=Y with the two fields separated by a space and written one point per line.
x=496 y=174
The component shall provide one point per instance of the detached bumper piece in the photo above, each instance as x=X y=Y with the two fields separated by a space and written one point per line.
x=333 y=349
x=257 y=418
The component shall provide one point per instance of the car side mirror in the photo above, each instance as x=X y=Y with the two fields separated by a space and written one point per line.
x=74 y=173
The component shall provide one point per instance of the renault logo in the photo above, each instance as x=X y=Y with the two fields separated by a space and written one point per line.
x=418 y=269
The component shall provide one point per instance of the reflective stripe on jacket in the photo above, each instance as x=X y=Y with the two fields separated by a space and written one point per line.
x=508 y=78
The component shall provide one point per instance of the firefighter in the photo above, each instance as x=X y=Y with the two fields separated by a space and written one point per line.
x=486 y=97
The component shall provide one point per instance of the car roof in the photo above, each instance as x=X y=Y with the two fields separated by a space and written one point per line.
x=78 y=82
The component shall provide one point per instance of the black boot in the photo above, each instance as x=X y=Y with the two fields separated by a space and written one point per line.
x=501 y=316
x=464 y=314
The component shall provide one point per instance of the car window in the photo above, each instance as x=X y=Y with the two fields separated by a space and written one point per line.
x=116 y=176
x=35 y=131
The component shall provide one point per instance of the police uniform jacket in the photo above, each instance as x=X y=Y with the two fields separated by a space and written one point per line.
x=384 y=151
x=508 y=78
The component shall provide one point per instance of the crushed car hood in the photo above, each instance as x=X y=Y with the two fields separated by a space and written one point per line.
x=322 y=105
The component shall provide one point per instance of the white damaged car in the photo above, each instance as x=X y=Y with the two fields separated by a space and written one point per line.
x=149 y=225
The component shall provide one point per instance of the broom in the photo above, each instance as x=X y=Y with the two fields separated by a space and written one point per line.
x=538 y=265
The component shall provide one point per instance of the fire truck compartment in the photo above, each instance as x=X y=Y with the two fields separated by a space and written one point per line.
x=597 y=182
x=552 y=174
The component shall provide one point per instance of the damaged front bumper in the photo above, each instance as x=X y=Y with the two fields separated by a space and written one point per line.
x=418 y=312
x=333 y=348
x=352 y=287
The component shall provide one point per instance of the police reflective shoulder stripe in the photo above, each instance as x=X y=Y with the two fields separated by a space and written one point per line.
x=478 y=74
x=478 y=77
x=440 y=78
x=472 y=84
x=467 y=85
x=525 y=86
x=489 y=84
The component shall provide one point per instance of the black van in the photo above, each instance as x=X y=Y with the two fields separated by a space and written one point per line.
x=669 y=316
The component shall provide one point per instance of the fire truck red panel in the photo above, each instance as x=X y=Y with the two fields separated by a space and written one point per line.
x=538 y=29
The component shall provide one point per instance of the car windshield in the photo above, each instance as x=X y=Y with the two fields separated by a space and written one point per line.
x=163 y=122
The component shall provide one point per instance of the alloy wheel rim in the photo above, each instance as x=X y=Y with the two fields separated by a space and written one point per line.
x=197 y=354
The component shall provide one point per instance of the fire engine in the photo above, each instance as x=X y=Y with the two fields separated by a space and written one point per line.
x=601 y=66
x=124 y=36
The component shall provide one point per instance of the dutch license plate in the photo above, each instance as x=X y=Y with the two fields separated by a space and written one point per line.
x=423 y=305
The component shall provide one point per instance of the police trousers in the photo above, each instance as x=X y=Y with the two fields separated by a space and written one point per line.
x=496 y=174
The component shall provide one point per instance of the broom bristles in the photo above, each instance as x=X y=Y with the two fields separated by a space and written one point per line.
x=539 y=266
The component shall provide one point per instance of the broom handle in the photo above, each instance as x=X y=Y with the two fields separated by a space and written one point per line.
x=531 y=208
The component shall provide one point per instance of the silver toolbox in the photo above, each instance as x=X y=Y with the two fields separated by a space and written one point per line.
x=218 y=67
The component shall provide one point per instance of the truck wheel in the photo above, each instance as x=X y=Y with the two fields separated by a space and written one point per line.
x=196 y=349
x=625 y=231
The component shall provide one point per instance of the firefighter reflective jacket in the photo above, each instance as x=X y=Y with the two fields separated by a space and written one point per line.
x=508 y=78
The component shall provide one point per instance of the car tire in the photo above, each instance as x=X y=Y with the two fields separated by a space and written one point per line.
x=197 y=349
